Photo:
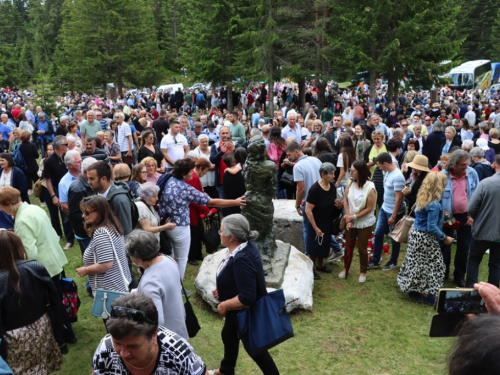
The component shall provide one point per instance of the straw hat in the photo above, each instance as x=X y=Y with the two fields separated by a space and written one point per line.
x=436 y=105
x=420 y=162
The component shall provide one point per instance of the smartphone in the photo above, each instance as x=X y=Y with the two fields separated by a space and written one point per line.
x=229 y=139
x=446 y=325
x=313 y=132
x=460 y=301
x=304 y=137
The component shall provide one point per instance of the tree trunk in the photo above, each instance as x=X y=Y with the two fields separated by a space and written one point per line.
x=302 y=93
x=270 y=92
x=373 y=82
x=230 y=97
x=321 y=93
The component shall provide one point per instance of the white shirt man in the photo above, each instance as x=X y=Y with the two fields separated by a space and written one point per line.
x=124 y=135
x=470 y=116
x=174 y=146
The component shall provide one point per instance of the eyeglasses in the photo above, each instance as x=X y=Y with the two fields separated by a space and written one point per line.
x=87 y=213
x=64 y=144
x=352 y=170
x=144 y=172
x=427 y=120
x=131 y=314
x=175 y=141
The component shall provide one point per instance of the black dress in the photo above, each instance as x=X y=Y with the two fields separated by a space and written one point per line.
x=30 y=154
x=323 y=212
x=234 y=187
x=146 y=152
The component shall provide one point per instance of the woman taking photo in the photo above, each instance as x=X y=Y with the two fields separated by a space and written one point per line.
x=160 y=280
x=208 y=179
x=237 y=289
x=112 y=148
x=322 y=206
x=347 y=156
x=105 y=263
x=359 y=204
x=149 y=149
x=28 y=344
x=174 y=203
x=149 y=220
x=423 y=269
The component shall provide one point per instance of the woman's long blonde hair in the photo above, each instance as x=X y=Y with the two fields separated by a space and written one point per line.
x=431 y=190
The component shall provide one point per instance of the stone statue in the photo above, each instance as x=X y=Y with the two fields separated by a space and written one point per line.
x=260 y=183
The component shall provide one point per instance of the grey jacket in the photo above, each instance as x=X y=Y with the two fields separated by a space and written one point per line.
x=484 y=207
x=120 y=204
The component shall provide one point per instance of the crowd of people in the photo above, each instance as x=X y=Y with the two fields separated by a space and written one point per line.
x=131 y=181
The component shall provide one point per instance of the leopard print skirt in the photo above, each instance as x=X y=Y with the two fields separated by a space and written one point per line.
x=423 y=268
x=33 y=350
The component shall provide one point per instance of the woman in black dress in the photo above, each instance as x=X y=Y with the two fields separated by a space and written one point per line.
x=233 y=183
x=149 y=148
x=322 y=206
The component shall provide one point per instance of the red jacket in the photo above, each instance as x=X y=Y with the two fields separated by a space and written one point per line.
x=195 y=210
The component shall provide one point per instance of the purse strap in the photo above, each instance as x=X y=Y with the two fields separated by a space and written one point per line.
x=411 y=211
x=125 y=282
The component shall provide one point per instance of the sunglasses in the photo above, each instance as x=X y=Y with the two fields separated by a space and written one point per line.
x=64 y=144
x=87 y=213
x=175 y=141
x=131 y=314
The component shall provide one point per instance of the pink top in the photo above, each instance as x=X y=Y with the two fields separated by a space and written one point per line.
x=460 y=202
x=153 y=178
x=274 y=153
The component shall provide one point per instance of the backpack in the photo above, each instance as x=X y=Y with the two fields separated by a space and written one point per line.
x=134 y=211
x=19 y=159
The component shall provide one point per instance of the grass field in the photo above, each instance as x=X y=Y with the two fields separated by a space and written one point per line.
x=354 y=328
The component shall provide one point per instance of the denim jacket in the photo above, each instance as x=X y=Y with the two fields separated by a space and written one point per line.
x=430 y=219
x=472 y=181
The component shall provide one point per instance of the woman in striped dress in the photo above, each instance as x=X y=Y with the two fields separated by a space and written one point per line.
x=105 y=263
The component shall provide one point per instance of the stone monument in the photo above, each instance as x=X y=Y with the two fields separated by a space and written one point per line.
x=284 y=266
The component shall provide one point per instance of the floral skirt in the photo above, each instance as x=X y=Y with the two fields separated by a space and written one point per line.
x=32 y=349
x=423 y=268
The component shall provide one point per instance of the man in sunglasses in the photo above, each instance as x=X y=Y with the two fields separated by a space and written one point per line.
x=137 y=344
x=174 y=146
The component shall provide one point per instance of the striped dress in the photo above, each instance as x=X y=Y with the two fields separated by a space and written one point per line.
x=100 y=250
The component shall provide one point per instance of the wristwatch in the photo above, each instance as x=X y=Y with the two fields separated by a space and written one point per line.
x=53 y=195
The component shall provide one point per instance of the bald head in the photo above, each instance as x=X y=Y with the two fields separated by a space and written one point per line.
x=265 y=130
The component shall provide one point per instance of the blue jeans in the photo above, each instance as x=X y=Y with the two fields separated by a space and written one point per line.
x=220 y=191
x=335 y=245
x=378 y=238
x=305 y=224
x=280 y=193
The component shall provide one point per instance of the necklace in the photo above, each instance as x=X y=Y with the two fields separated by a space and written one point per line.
x=149 y=364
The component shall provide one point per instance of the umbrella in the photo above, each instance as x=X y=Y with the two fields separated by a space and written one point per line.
x=348 y=256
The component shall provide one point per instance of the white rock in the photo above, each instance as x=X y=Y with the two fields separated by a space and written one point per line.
x=298 y=282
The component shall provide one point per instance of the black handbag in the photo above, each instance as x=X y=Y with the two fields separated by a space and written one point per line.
x=211 y=237
x=192 y=324
x=166 y=246
x=287 y=179
x=266 y=323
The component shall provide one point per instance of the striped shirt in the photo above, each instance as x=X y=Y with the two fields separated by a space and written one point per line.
x=100 y=250
x=124 y=131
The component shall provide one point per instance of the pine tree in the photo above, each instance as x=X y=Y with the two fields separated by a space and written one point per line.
x=395 y=38
x=104 y=41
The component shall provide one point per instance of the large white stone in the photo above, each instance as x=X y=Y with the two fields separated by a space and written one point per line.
x=298 y=281
x=287 y=223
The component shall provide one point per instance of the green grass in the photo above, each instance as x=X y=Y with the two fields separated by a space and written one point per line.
x=354 y=328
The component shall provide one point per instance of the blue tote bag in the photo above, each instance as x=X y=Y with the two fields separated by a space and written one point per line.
x=266 y=323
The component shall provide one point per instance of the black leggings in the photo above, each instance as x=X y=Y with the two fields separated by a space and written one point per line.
x=231 y=340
